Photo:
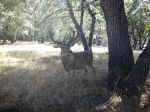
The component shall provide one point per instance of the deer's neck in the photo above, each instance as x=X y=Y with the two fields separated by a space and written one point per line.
x=67 y=57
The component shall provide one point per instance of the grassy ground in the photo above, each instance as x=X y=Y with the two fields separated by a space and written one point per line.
x=35 y=81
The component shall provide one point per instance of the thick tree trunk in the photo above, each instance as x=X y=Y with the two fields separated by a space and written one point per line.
x=120 y=52
x=136 y=78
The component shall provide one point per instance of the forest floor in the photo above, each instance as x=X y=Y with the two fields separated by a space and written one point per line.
x=32 y=79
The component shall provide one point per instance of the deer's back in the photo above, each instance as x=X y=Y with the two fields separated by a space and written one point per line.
x=77 y=60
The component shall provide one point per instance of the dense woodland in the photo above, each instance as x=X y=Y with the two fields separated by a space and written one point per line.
x=30 y=20
x=121 y=25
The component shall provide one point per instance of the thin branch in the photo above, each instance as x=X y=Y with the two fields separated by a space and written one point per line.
x=82 y=13
x=24 y=3
x=36 y=6
x=58 y=11
x=92 y=14
x=77 y=26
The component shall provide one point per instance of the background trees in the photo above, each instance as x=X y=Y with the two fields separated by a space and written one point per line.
x=30 y=19
x=16 y=19
x=138 y=19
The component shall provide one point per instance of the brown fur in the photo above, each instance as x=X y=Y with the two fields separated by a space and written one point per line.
x=76 y=61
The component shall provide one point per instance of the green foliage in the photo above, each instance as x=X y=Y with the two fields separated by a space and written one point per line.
x=147 y=29
x=132 y=5
x=18 y=16
x=138 y=20
x=34 y=18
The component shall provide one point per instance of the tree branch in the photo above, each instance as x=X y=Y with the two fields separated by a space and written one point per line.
x=36 y=6
x=92 y=14
x=58 y=11
x=77 y=26
x=82 y=13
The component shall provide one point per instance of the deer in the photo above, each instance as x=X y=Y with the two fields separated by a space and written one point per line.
x=73 y=60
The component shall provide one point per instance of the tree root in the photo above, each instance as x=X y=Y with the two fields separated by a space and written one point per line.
x=110 y=105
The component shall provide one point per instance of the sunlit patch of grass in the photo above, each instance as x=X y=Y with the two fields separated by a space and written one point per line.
x=21 y=54
x=26 y=60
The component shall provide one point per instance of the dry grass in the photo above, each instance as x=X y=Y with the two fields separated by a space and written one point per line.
x=36 y=81
x=32 y=81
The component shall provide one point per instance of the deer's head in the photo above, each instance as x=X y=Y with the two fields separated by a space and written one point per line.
x=67 y=42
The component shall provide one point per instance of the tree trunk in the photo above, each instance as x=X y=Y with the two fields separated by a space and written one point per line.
x=92 y=14
x=120 y=52
x=79 y=26
x=136 y=78
x=133 y=35
x=82 y=13
x=4 y=40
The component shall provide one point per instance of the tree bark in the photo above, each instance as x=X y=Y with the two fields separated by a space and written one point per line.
x=120 y=52
x=134 y=83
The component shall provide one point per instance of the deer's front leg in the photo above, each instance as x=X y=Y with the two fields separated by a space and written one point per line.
x=67 y=73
